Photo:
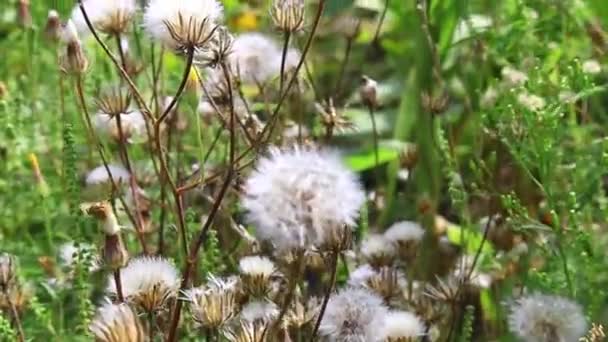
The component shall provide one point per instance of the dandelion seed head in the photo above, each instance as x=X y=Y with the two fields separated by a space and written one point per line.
x=591 y=66
x=377 y=250
x=404 y=231
x=259 y=310
x=182 y=24
x=297 y=196
x=531 y=101
x=117 y=323
x=100 y=175
x=255 y=274
x=148 y=282
x=133 y=126
x=546 y=318
x=352 y=315
x=107 y=16
x=215 y=303
x=401 y=326
x=512 y=77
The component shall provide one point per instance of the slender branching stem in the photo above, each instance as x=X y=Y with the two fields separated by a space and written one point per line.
x=286 y=37
x=372 y=116
x=118 y=282
x=347 y=51
x=121 y=52
x=381 y=22
x=332 y=283
x=100 y=150
x=198 y=243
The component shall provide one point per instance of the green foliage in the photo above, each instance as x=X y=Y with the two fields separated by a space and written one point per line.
x=6 y=331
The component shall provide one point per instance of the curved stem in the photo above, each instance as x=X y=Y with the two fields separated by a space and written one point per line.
x=334 y=268
x=192 y=257
x=121 y=53
x=381 y=22
x=349 y=46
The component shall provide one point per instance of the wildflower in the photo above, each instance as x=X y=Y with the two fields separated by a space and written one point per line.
x=378 y=251
x=117 y=323
x=352 y=315
x=148 y=282
x=368 y=91
x=73 y=60
x=256 y=272
x=591 y=67
x=546 y=318
x=256 y=58
x=52 y=30
x=214 y=304
x=401 y=326
x=531 y=102
x=512 y=77
x=406 y=236
x=7 y=270
x=296 y=197
x=182 y=25
x=288 y=15
x=108 y=16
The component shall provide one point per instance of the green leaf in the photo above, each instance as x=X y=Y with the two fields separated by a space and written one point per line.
x=366 y=159
x=469 y=239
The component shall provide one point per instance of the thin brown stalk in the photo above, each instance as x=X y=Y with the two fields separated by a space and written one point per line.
x=164 y=168
x=422 y=7
x=118 y=282
x=197 y=244
x=372 y=116
x=332 y=284
x=381 y=22
x=291 y=289
x=347 y=51
x=286 y=37
x=121 y=53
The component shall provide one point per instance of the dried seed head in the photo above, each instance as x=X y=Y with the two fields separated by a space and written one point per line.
x=301 y=313
x=406 y=237
x=288 y=15
x=103 y=212
x=256 y=273
x=114 y=101
x=112 y=17
x=214 y=304
x=368 y=91
x=182 y=25
x=73 y=60
x=348 y=26
x=388 y=282
x=148 y=283
x=117 y=323
x=260 y=311
x=434 y=104
x=17 y=296
x=332 y=119
x=378 y=251
x=218 y=49
x=8 y=270
x=337 y=238
x=408 y=158
x=52 y=30
x=246 y=331
x=114 y=253
x=401 y=326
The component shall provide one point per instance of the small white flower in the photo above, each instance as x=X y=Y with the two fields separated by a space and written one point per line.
x=545 y=318
x=513 y=77
x=353 y=315
x=182 y=24
x=531 y=101
x=401 y=326
x=261 y=310
x=591 y=67
x=298 y=197
x=148 y=282
x=107 y=16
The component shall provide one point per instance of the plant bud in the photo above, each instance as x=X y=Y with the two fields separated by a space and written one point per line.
x=368 y=91
x=52 y=29
x=288 y=15
x=73 y=61
x=114 y=253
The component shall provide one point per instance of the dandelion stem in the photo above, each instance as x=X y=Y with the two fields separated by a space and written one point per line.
x=287 y=36
x=332 y=283
x=381 y=22
x=121 y=53
x=375 y=135
x=118 y=283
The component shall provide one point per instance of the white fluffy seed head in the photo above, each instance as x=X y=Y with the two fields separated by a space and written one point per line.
x=259 y=311
x=360 y=275
x=107 y=16
x=401 y=326
x=256 y=266
x=147 y=282
x=117 y=322
x=100 y=175
x=546 y=318
x=404 y=231
x=69 y=34
x=256 y=58
x=352 y=315
x=133 y=126
x=182 y=24
x=296 y=197
x=377 y=250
